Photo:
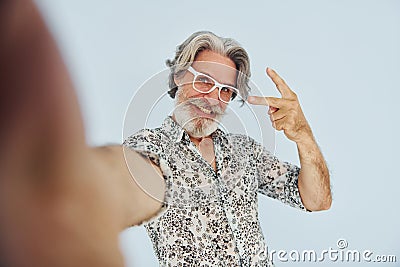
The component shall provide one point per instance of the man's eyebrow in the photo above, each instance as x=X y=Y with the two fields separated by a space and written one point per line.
x=216 y=79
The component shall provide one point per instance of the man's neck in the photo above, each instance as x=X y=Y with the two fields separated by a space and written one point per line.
x=206 y=148
x=197 y=140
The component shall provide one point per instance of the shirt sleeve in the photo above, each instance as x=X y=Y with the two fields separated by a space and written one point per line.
x=146 y=143
x=277 y=179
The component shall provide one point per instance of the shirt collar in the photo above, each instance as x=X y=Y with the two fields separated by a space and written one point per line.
x=177 y=133
x=173 y=129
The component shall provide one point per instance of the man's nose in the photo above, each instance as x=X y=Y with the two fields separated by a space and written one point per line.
x=212 y=96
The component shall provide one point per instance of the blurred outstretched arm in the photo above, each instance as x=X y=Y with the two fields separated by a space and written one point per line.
x=62 y=203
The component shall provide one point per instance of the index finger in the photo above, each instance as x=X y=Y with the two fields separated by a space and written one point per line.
x=265 y=101
x=281 y=85
x=258 y=100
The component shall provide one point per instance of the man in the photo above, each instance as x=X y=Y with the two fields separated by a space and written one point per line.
x=210 y=215
x=62 y=203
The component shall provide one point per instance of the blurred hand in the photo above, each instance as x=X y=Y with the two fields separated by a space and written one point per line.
x=61 y=204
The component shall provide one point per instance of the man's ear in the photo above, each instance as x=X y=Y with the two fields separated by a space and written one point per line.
x=177 y=80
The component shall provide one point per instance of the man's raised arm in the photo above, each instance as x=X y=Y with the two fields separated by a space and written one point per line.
x=286 y=115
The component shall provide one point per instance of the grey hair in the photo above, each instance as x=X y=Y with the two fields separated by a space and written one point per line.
x=205 y=40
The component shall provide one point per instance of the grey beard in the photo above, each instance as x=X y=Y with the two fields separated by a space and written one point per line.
x=197 y=126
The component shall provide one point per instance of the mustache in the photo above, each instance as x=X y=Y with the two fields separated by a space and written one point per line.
x=204 y=103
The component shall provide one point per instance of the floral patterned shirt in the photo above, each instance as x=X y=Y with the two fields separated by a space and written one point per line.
x=210 y=217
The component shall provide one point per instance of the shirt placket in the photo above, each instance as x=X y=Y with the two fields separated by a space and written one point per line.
x=221 y=191
x=224 y=199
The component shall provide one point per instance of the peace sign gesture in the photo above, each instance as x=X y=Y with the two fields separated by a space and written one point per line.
x=285 y=113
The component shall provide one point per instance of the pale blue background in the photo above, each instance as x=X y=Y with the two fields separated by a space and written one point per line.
x=341 y=57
